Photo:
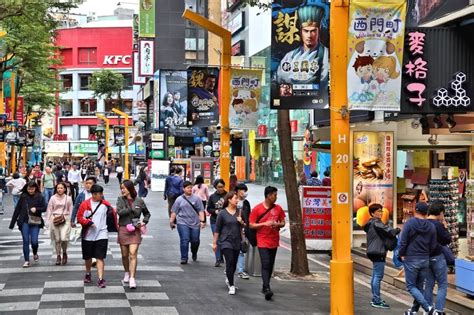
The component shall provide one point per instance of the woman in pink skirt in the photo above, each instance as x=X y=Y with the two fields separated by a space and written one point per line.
x=130 y=208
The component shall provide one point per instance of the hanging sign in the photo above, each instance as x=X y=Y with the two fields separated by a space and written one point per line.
x=203 y=106
x=174 y=100
x=146 y=57
x=147 y=18
x=376 y=39
x=245 y=88
x=317 y=212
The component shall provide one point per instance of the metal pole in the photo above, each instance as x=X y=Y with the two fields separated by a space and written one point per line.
x=342 y=282
x=125 y=165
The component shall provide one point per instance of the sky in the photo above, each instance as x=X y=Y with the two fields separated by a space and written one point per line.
x=104 y=7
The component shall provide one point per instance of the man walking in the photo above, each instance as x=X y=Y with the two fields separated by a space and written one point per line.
x=83 y=195
x=417 y=242
x=377 y=233
x=267 y=218
x=173 y=187
x=48 y=182
x=74 y=177
x=243 y=208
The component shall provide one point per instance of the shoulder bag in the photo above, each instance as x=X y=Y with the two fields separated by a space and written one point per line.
x=32 y=218
x=60 y=219
x=252 y=233
x=85 y=228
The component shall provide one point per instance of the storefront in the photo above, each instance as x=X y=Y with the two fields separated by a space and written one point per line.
x=56 y=150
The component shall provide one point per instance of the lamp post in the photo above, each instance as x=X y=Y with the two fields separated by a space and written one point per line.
x=126 y=174
x=107 y=126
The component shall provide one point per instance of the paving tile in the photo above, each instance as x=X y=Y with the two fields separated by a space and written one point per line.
x=19 y=306
x=21 y=292
x=147 y=296
x=162 y=310
x=109 y=289
x=63 y=305
x=63 y=284
x=61 y=311
x=106 y=303
x=62 y=297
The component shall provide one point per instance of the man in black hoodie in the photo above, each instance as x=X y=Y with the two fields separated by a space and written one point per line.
x=377 y=233
x=417 y=242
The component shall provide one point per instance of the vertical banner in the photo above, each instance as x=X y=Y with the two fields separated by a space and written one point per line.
x=136 y=23
x=173 y=99
x=317 y=207
x=373 y=174
x=137 y=79
x=300 y=55
x=156 y=99
x=147 y=18
x=146 y=58
x=376 y=39
x=20 y=107
x=203 y=106
x=245 y=88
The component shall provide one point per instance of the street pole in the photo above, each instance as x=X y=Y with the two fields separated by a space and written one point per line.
x=224 y=87
x=126 y=174
x=12 y=111
x=107 y=126
x=342 y=282
x=3 y=154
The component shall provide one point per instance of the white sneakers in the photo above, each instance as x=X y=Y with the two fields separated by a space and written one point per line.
x=126 y=277
x=132 y=284
x=232 y=290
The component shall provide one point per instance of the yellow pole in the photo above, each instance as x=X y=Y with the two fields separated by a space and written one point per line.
x=107 y=126
x=12 y=110
x=342 y=283
x=3 y=154
x=126 y=174
x=224 y=87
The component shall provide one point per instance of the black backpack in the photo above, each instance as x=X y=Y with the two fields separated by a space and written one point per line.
x=252 y=233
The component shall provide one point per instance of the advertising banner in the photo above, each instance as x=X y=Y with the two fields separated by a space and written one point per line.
x=300 y=55
x=146 y=55
x=317 y=207
x=203 y=105
x=373 y=178
x=84 y=147
x=424 y=11
x=136 y=25
x=376 y=39
x=246 y=89
x=173 y=99
x=159 y=172
x=20 y=107
x=3 y=122
x=137 y=79
x=156 y=99
x=147 y=18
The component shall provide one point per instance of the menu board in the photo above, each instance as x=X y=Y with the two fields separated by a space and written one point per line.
x=316 y=205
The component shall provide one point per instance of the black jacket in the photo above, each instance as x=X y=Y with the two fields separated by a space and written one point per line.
x=377 y=232
x=25 y=203
x=216 y=202
x=246 y=214
x=442 y=235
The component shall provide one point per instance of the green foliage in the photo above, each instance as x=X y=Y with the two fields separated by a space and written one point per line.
x=261 y=4
x=106 y=83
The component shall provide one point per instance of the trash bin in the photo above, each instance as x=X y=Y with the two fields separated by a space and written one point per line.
x=252 y=262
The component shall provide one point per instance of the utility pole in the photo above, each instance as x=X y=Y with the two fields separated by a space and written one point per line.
x=126 y=173
x=342 y=281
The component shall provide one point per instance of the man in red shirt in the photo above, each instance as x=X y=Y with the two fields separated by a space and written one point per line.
x=267 y=218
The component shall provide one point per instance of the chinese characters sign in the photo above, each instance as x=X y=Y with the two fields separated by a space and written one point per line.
x=146 y=57
x=203 y=105
x=317 y=209
x=300 y=57
x=147 y=18
x=137 y=79
x=19 y=109
x=373 y=171
x=416 y=68
x=245 y=88
x=173 y=100
x=376 y=32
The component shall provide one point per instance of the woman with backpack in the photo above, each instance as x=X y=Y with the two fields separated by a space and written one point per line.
x=130 y=208
x=28 y=218
x=58 y=218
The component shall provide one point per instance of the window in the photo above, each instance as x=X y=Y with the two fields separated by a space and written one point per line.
x=66 y=56
x=88 y=107
x=85 y=80
x=66 y=107
x=66 y=82
x=125 y=107
x=127 y=81
x=87 y=55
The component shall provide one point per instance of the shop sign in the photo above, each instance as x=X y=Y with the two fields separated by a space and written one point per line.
x=157 y=137
x=157 y=145
x=159 y=172
x=294 y=126
x=56 y=147
x=238 y=48
x=115 y=60
x=20 y=107
x=232 y=4
x=146 y=54
x=429 y=87
x=119 y=135
x=237 y=23
x=136 y=25
x=173 y=107
x=147 y=90
x=317 y=209
x=147 y=18
x=84 y=147
x=375 y=50
x=60 y=137
x=246 y=89
x=157 y=154
x=121 y=149
x=300 y=63
x=373 y=176
x=203 y=106
x=137 y=79
x=262 y=130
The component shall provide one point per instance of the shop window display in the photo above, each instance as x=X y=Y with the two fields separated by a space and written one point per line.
x=470 y=216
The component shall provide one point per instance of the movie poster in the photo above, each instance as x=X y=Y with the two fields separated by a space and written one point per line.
x=373 y=178
x=300 y=54
x=245 y=88
x=203 y=105
x=173 y=99
x=376 y=40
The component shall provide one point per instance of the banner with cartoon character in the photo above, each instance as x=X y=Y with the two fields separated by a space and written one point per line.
x=203 y=105
x=245 y=88
x=173 y=99
x=300 y=54
x=376 y=39
x=373 y=178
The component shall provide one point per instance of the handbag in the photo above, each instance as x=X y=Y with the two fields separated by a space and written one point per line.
x=32 y=218
x=448 y=255
x=391 y=243
x=111 y=220
x=60 y=219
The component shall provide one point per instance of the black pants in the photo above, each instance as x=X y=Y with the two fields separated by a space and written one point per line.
x=267 y=257
x=119 y=177
x=74 y=191
x=231 y=258
x=171 y=201
x=106 y=179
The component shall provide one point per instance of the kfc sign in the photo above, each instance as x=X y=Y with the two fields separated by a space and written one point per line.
x=114 y=60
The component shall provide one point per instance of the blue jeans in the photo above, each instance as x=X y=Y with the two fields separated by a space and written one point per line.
x=439 y=272
x=188 y=235
x=218 y=251
x=377 y=275
x=16 y=198
x=29 y=234
x=241 y=263
x=48 y=193
x=416 y=271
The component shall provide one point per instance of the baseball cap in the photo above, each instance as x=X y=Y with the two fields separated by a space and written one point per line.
x=421 y=207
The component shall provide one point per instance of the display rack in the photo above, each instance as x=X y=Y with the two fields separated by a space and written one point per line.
x=470 y=216
x=447 y=191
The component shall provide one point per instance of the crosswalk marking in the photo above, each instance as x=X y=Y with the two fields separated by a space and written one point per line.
x=147 y=296
x=62 y=297
x=61 y=311
x=63 y=284
x=162 y=310
x=48 y=269
x=19 y=306
x=19 y=292
x=107 y=303
x=107 y=290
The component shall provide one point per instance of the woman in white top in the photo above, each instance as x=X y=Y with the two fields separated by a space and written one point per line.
x=201 y=190
x=17 y=184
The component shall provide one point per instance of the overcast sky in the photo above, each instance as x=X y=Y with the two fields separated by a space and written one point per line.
x=104 y=7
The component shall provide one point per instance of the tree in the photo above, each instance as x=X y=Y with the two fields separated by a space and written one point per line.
x=107 y=83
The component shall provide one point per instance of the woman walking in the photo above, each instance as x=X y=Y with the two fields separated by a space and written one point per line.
x=16 y=185
x=130 y=207
x=28 y=218
x=228 y=236
x=200 y=189
x=216 y=203
x=58 y=218
x=141 y=180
